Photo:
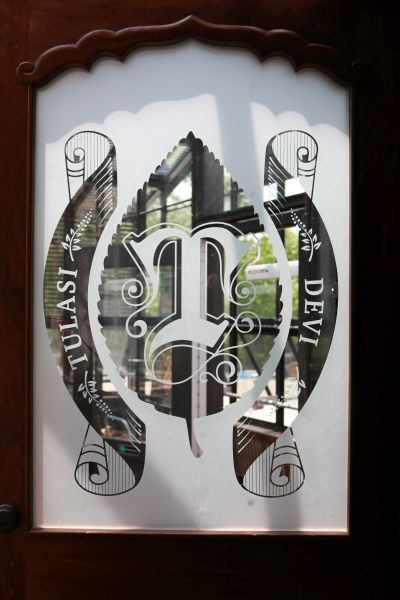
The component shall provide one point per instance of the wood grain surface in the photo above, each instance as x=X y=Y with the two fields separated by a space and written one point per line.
x=276 y=42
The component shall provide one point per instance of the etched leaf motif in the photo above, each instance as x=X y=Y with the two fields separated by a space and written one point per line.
x=309 y=240
x=148 y=297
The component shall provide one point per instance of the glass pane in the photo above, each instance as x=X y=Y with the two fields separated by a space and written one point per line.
x=191 y=264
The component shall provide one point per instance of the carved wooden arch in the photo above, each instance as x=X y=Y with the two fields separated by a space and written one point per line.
x=264 y=44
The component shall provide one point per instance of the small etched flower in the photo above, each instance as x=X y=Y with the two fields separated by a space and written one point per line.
x=72 y=239
x=89 y=392
x=307 y=238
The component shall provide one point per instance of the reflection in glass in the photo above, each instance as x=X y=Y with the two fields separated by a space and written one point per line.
x=192 y=192
x=267 y=459
x=111 y=458
x=190 y=305
x=188 y=318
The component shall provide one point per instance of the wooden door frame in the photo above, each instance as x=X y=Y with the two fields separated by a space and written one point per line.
x=272 y=555
x=104 y=43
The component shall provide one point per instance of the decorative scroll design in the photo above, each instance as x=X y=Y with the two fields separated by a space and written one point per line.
x=100 y=469
x=112 y=457
x=270 y=465
x=110 y=463
x=277 y=471
x=190 y=321
x=262 y=43
x=291 y=155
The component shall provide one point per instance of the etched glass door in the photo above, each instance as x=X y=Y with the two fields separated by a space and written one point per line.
x=191 y=276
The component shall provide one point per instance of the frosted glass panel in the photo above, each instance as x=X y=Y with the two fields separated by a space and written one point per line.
x=191 y=296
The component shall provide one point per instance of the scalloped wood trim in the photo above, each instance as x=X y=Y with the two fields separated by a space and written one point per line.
x=102 y=42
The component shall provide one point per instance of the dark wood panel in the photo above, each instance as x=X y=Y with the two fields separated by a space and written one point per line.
x=375 y=158
x=201 y=567
x=13 y=157
x=321 y=21
x=276 y=42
